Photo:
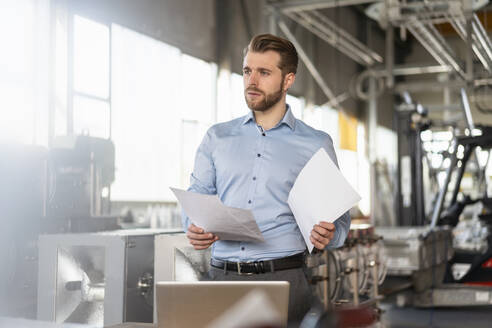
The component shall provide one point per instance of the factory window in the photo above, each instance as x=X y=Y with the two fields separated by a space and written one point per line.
x=24 y=71
x=230 y=96
x=162 y=104
x=60 y=122
x=91 y=70
x=91 y=116
x=197 y=109
x=91 y=58
x=353 y=163
x=323 y=118
x=296 y=105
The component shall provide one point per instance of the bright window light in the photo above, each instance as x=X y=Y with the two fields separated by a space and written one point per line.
x=91 y=117
x=91 y=57
x=146 y=116
x=24 y=67
x=197 y=109
x=192 y=133
x=323 y=118
x=223 y=96
x=197 y=79
x=389 y=152
x=296 y=105
x=238 y=105
x=61 y=57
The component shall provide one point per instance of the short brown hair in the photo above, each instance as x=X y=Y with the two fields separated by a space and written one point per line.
x=288 y=53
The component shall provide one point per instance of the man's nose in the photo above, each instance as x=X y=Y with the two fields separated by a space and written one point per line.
x=253 y=79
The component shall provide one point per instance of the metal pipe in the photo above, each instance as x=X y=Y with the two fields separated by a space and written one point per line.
x=326 y=282
x=339 y=41
x=309 y=65
x=338 y=99
x=356 y=43
x=375 y=278
x=467 y=109
x=419 y=187
x=303 y=5
x=483 y=34
x=438 y=87
x=390 y=54
x=427 y=86
x=445 y=49
x=469 y=51
x=440 y=199
x=330 y=39
x=477 y=47
x=461 y=171
x=355 y=275
x=471 y=126
x=431 y=40
x=416 y=31
x=372 y=149
x=414 y=70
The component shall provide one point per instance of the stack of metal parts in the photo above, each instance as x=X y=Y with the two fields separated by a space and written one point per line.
x=99 y=279
x=471 y=235
x=419 y=253
x=351 y=274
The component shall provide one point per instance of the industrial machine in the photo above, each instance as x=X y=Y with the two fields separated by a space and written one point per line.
x=81 y=170
x=447 y=262
x=472 y=263
x=99 y=279
x=346 y=280
x=63 y=189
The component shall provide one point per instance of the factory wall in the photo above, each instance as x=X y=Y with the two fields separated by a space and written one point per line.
x=186 y=24
x=218 y=30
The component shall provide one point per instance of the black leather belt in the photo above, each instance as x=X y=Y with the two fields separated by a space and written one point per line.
x=248 y=268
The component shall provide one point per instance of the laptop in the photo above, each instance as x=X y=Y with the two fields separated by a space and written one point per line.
x=198 y=303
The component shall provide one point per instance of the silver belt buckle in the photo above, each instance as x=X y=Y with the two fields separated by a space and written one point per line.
x=242 y=273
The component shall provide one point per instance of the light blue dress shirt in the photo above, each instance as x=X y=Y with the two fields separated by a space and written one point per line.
x=254 y=169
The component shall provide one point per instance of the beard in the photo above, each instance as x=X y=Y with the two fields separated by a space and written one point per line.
x=268 y=100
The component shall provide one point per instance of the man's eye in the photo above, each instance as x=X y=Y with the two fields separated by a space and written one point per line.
x=264 y=73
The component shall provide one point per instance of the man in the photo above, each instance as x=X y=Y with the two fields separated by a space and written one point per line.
x=252 y=162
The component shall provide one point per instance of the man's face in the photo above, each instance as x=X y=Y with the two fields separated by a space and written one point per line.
x=263 y=80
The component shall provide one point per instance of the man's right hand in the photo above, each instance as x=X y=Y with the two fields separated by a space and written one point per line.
x=199 y=238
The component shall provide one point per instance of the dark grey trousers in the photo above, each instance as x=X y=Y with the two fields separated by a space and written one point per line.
x=301 y=296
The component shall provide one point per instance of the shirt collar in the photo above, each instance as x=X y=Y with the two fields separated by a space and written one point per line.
x=288 y=118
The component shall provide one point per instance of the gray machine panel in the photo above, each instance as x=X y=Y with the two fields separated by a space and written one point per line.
x=410 y=249
x=97 y=278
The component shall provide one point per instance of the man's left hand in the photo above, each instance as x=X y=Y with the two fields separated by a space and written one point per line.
x=322 y=234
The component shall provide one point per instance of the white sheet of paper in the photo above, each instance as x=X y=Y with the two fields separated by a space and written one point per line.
x=320 y=193
x=209 y=213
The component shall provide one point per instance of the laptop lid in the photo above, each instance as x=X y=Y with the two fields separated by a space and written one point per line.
x=198 y=303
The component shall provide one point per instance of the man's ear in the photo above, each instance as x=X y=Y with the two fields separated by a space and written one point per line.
x=289 y=79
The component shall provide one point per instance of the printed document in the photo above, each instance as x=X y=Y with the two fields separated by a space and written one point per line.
x=320 y=193
x=209 y=213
